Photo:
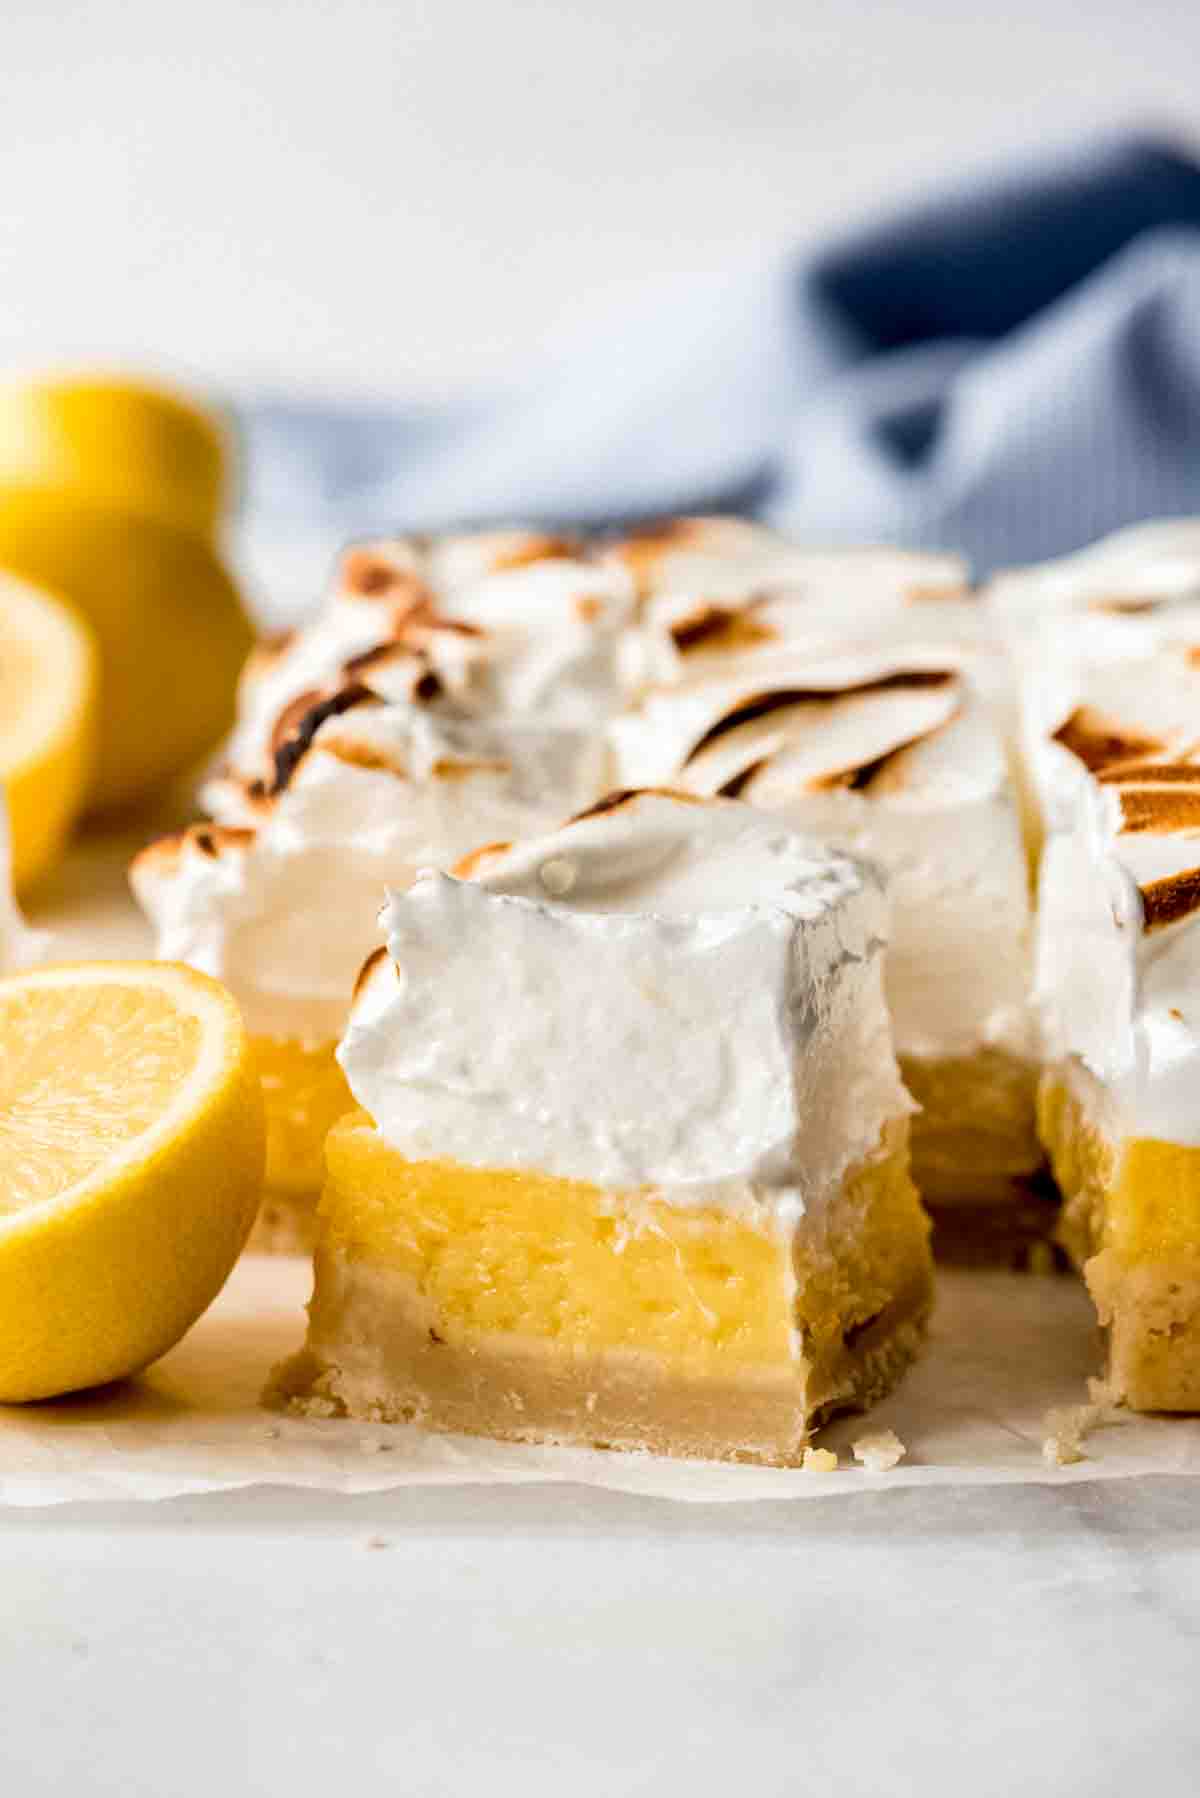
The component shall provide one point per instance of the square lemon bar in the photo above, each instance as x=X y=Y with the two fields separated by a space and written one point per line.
x=892 y=753
x=449 y=688
x=631 y=1166
x=1112 y=732
x=283 y=909
x=512 y=624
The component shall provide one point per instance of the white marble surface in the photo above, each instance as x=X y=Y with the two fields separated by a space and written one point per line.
x=535 y=1642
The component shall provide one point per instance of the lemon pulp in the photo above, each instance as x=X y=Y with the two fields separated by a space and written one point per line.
x=59 y=1124
x=131 y=1160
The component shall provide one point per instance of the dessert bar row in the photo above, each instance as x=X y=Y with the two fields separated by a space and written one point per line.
x=736 y=893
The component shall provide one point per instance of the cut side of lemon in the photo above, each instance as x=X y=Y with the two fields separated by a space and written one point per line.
x=131 y=1160
x=48 y=669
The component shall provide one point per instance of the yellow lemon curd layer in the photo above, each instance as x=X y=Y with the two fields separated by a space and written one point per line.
x=974 y=1139
x=1131 y=1221
x=583 y=1269
x=304 y=1094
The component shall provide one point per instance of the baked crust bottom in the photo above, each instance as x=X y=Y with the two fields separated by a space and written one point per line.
x=974 y=1140
x=1131 y=1223
x=304 y=1094
x=596 y=1341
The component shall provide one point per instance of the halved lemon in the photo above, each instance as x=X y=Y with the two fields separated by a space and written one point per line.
x=47 y=701
x=131 y=1163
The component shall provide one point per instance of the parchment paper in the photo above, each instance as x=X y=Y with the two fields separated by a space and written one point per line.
x=1005 y=1349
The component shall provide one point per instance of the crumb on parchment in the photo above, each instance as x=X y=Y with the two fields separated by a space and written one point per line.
x=1068 y=1427
x=819 y=1460
x=880 y=1451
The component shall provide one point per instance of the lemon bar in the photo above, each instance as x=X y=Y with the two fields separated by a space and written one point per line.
x=513 y=623
x=1143 y=571
x=892 y=752
x=1112 y=729
x=284 y=907
x=631 y=1165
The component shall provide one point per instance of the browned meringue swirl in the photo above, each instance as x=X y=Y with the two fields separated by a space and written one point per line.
x=1100 y=742
x=1155 y=798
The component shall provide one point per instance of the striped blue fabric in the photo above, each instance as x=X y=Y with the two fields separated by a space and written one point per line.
x=1008 y=368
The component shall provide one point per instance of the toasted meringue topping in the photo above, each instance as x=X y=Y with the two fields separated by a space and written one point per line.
x=390 y=571
x=1100 y=742
x=662 y=995
x=1150 y=773
x=877 y=712
x=1137 y=572
x=733 y=560
x=1170 y=899
x=1108 y=693
x=837 y=719
x=722 y=627
x=285 y=911
x=717 y=588
x=525 y=623
x=497 y=624
x=728 y=559
x=1112 y=734
x=892 y=757
x=670 y=551
x=459 y=559
x=1150 y=807
x=528 y=547
x=299 y=723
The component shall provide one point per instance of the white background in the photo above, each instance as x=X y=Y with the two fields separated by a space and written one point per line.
x=351 y=195
x=402 y=195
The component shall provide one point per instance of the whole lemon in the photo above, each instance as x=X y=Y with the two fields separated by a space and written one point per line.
x=128 y=444
x=166 y=618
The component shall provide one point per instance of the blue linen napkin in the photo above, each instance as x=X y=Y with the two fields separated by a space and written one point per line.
x=1009 y=368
